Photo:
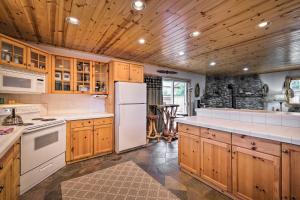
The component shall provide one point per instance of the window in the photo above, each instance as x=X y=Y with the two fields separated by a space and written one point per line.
x=175 y=92
x=295 y=87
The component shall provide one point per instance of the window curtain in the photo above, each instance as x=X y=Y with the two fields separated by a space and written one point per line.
x=154 y=96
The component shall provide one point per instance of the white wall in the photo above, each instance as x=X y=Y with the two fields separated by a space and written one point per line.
x=193 y=77
x=275 y=82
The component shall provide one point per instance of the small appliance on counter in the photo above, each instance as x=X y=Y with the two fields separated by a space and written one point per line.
x=43 y=143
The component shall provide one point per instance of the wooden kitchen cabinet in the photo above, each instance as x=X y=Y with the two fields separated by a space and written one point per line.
x=62 y=75
x=216 y=163
x=100 y=78
x=290 y=172
x=89 y=138
x=189 y=150
x=12 y=53
x=10 y=174
x=136 y=73
x=255 y=175
x=103 y=139
x=128 y=72
x=82 y=142
x=37 y=60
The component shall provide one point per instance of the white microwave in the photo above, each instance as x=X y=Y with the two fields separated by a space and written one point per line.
x=15 y=81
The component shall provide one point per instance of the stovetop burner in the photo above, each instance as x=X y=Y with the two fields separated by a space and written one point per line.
x=49 y=119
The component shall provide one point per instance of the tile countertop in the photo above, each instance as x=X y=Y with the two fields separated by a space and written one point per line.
x=7 y=141
x=79 y=116
x=278 y=133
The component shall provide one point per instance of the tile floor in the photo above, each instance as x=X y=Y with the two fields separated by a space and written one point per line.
x=158 y=159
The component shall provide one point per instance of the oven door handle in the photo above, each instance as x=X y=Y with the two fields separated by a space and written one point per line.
x=47 y=166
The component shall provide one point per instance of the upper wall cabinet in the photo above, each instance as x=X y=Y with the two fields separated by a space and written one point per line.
x=62 y=75
x=12 y=53
x=100 y=78
x=128 y=72
x=83 y=73
x=37 y=60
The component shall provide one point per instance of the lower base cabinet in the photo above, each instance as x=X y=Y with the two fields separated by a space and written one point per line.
x=216 y=163
x=88 y=138
x=290 y=172
x=10 y=174
x=189 y=150
x=255 y=175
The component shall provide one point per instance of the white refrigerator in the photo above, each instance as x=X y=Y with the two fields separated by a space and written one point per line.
x=130 y=115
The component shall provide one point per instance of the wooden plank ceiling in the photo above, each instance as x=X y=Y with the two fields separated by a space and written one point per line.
x=230 y=35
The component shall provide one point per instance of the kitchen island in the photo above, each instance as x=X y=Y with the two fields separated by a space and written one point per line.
x=243 y=159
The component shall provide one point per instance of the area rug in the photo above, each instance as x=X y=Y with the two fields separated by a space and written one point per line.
x=123 y=181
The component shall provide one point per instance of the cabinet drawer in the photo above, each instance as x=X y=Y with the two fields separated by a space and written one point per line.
x=189 y=129
x=220 y=136
x=4 y=161
x=103 y=121
x=257 y=144
x=81 y=123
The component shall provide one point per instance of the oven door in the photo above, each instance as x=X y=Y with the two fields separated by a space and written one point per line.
x=40 y=146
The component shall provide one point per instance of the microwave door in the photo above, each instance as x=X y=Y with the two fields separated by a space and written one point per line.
x=16 y=84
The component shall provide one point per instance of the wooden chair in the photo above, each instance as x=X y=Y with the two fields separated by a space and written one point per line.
x=152 y=132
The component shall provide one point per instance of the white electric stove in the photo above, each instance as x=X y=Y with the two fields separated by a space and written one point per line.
x=43 y=143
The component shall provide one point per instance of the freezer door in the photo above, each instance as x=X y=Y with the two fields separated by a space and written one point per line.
x=130 y=126
x=127 y=93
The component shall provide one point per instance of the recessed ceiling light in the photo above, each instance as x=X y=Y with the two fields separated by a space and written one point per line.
x=245 y=69
x=72 y=20
x=195 y=34
x=263 y=24
x=138 y=4
x=142 y=41
x=181 y=53
x=212 y=63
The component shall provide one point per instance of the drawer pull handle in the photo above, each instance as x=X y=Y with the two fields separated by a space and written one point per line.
x=1 y=188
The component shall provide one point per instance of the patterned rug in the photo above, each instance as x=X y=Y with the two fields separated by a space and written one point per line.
x=125 y=181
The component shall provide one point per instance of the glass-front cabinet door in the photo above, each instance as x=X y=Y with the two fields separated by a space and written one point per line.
x=100 y=78
x=82 y=82
x=13 y=53
x=62 y=75
x=37 y=60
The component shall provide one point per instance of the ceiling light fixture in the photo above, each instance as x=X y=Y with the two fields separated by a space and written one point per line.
x=195 y=34
x=263 y=24
x=212 y=63
x=72 y=20
x=245 y=69
x=142 y=41
x=181 y=53
x=138 y=5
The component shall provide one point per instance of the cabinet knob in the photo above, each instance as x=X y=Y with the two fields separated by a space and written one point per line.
x=1 y=166
x=84 y=137
x=214 y=135
x=293 y=198
x=252 y=143
x=253 y=148
x=285 y=151
x=243 y=136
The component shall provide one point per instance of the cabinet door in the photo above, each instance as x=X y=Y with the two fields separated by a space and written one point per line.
x=189 y=153
x=216 y=163
x=103 y=139
x=83 y=73
x=62 y=75
x=255 y=175
x=82 y=142
x=6 y=181
x=100 y=78
x=16 y=177
x=13 y=53
x=121 y=71
x=37 y=60
x=290 y=172
x=136 y=73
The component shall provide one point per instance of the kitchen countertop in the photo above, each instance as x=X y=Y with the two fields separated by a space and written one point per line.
x=7 y=141
x=79 y=116
x=278 y=133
